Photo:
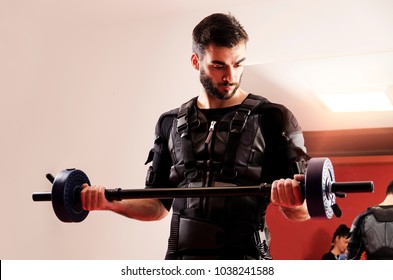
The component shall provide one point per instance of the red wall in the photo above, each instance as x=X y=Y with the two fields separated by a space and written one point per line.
x=311 y=239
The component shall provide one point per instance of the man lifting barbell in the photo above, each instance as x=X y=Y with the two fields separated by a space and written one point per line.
x=223 y=137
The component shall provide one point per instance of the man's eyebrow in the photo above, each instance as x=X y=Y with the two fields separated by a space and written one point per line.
x=223 y=63
x=217 y=62
x=241 y=60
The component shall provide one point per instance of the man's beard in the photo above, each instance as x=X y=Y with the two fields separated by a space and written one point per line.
x=213 y=89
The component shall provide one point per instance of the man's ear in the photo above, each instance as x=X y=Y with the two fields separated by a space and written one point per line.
x=195 y=61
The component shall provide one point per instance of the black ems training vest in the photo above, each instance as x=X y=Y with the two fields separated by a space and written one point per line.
x=378 y=233
x=226 y=152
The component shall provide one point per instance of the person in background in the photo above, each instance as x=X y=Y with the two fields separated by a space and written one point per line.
x=372 y=231
x=339 y=244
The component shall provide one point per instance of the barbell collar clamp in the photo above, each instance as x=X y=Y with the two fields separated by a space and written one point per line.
x=50 y=177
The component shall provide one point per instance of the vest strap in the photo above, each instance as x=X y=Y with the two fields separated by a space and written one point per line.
x=236 y=127
x=185 y=119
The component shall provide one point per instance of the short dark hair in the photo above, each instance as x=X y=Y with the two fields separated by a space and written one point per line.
x=389 y=189
x=222 y=30
x=341 y=231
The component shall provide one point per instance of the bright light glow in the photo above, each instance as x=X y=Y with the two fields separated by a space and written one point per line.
x=357 y=102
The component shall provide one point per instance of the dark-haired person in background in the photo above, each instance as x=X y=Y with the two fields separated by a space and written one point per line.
x=339 y=244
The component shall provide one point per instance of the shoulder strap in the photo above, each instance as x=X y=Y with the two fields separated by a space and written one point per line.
x=237 y=125
x=187 y=118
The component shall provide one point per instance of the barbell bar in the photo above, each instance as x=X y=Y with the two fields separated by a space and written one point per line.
x=320 y=190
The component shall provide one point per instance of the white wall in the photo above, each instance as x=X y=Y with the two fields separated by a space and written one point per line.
x=83 y=92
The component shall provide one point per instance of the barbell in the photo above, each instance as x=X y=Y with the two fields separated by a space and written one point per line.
x=320 y=191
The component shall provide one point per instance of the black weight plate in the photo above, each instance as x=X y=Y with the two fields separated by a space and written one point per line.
x=319 y=198
x=66 y=195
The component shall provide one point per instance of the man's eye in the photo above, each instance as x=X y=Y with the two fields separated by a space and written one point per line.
x=218 y=66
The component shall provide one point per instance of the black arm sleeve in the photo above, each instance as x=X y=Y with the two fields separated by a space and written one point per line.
x=284 y=142
x=160 y=158
x=356 y=245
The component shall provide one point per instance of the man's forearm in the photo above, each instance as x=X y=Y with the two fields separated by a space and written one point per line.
x=140 y=209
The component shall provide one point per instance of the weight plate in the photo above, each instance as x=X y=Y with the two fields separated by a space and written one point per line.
x=66 y=195
x=319 y=198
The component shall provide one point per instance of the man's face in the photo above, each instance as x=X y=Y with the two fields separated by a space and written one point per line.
x=221 y=70
x=342 y=243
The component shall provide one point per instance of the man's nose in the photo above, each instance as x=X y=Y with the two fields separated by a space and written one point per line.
x=228 y=75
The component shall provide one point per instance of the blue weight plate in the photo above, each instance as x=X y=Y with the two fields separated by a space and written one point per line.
x=66 y=195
